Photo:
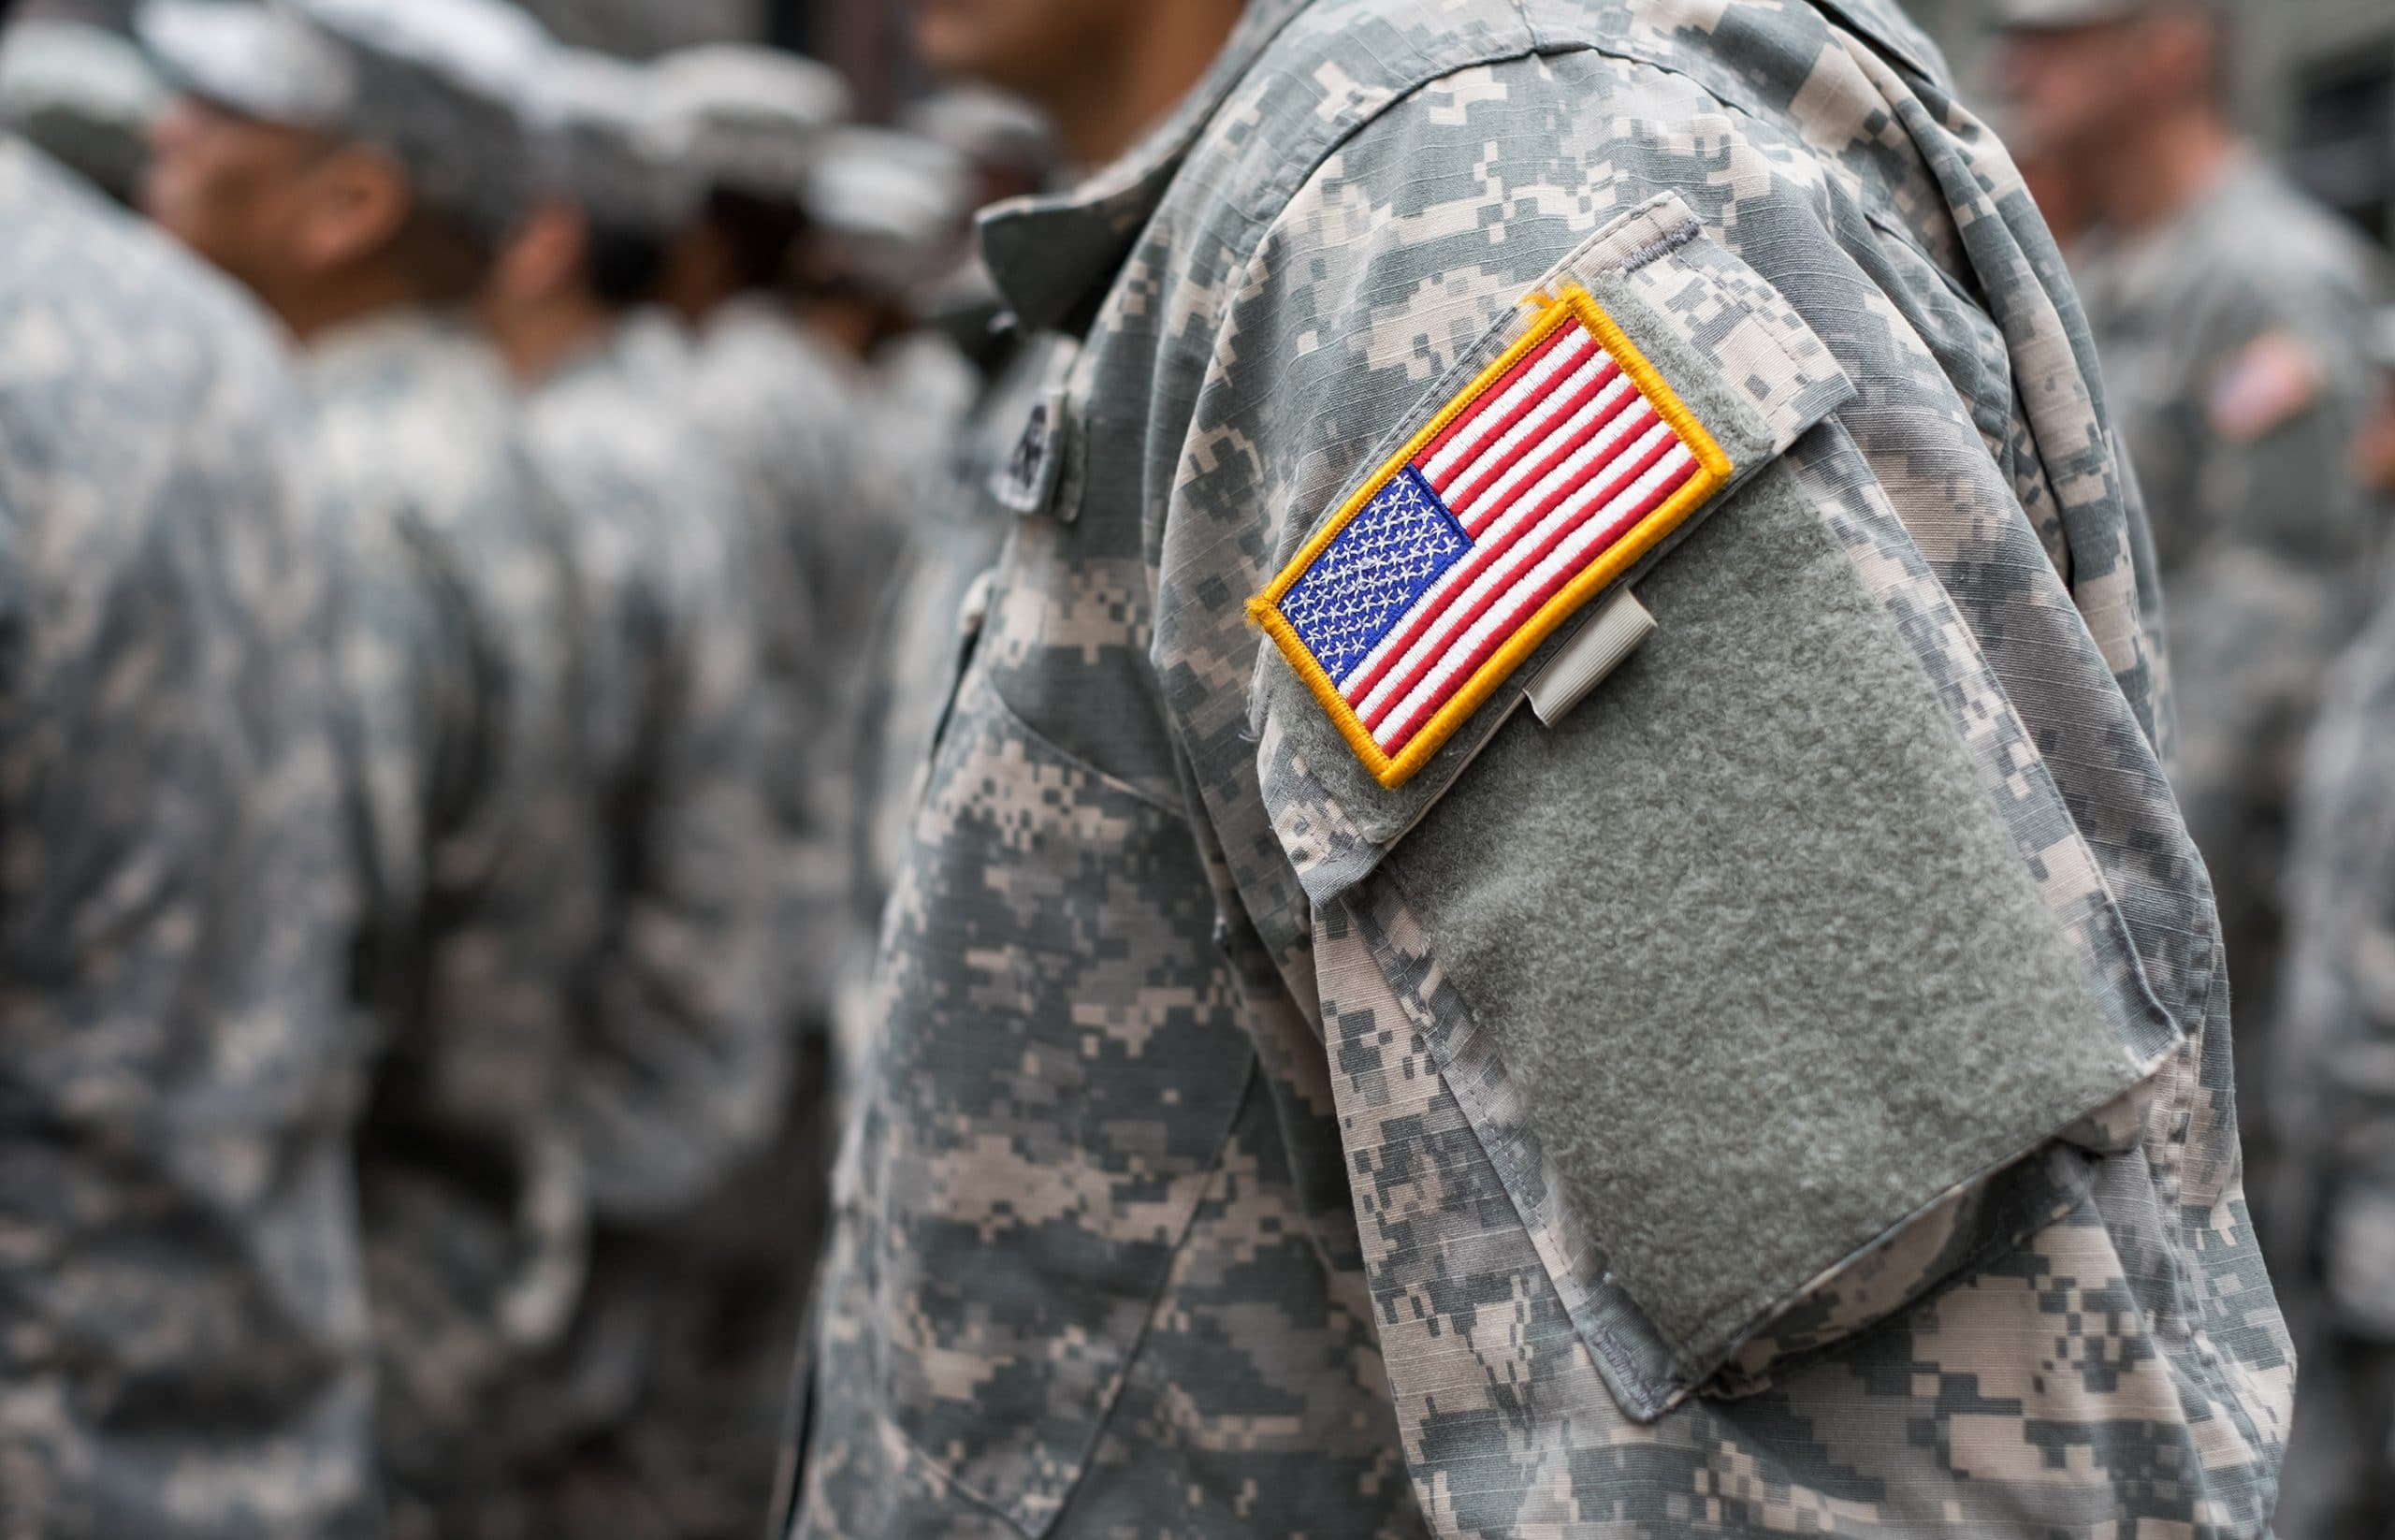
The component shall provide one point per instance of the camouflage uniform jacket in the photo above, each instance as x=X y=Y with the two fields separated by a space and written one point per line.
x=1791 y=1092
x=183 y=1348
x=2339 y=997
x=456 y=720
x=2232 y=339
x=676 y=1068
x=779 y=413
x=679 y=1065
x=932 y=609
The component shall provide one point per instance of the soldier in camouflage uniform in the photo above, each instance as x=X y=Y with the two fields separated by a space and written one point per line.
x=772 y=405
x=184 y=1347
x=2228 y=309
x=1783 y=1085
x=2337 y=1093
x=680 y=1069
x=356 y=163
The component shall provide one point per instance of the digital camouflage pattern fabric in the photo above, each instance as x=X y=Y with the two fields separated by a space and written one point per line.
x=678 y=1068
x=457 y=724
x=2335 y=1099
x=1557 y=1143
x=2233 y=340
x=186 y=1351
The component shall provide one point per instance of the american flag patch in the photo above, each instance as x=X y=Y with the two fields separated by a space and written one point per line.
x=1528 y=495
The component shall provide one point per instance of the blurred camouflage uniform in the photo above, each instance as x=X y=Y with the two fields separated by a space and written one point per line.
x=1245 y=1137
x=679 y=1068
x=2334 y=1099
x=2231 y=339
x=458 y=721
x=463 y=748
x=183 y=1346
x=773 y=406
x=678 y=1071
x=2337 y=1098
x=685 y=1066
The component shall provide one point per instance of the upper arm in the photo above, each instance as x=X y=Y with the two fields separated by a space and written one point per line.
x=1780 y=948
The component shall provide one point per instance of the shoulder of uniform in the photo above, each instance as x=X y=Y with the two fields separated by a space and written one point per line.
x=1351 y=71
x=1335 y=69
x=131 y=296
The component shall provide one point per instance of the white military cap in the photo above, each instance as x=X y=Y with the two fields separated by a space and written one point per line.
x=988 y=128
x=83 y=92
x=888 y=207
x=434 y=82
x=608 y=147
x=749 y=118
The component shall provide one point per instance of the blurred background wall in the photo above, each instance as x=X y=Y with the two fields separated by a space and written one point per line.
x=2315 y=84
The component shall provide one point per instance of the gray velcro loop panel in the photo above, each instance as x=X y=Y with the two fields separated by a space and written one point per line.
x=1751 y=936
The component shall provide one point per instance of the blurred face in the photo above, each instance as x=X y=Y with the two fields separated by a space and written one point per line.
x=232 y=188
x=1032 y=47
x=2072 y=88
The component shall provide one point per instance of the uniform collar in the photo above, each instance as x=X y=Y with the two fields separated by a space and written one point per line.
x=1052 y=255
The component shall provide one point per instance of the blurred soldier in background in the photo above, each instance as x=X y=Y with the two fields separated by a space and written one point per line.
x=183 y=1344
x=1009 y=152
x=680 y=1067
x=772 y=409
x=85 y=93
x=2229 y=310
x=887 y=219
x=357 y=164
x=1281 y=1123
x=773 y=406
x=2336 y=1098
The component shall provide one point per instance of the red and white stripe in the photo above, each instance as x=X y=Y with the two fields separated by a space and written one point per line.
x=1551 y=467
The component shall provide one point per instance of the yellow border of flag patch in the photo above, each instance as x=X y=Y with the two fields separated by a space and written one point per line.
x=1713 y=472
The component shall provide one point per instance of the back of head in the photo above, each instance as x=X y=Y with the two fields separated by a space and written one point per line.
x=888 y=210
x=747 y=122
x=621 y=163
x=436 y=86
x=607 y=147
x=748 y=119
x=412 y=101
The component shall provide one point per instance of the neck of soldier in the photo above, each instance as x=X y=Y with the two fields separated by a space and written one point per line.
x=2162 y=166
x=333 y=300
x=538 y=336
x=1161 y=57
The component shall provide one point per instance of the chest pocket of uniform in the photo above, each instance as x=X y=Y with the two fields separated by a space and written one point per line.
x=1060 y=1066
